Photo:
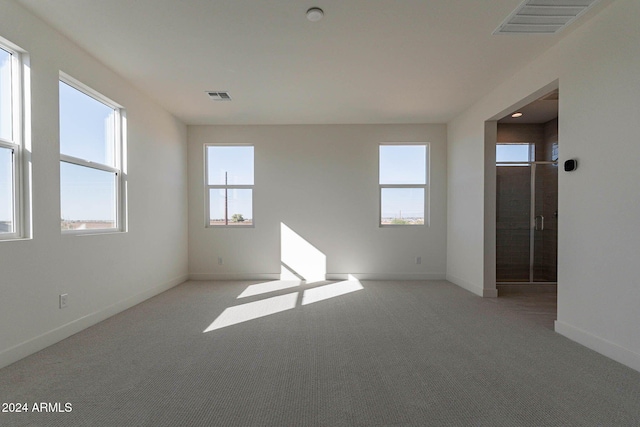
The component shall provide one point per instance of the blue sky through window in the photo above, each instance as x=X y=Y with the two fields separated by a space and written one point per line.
x=236 y=162
x=87 y=127
x=87 y=194
x=402 y=203
x=6 y=156
x=230 y=165
x=87 y=132
x=5 y=95
x=403 y=165
x=513 y=153
x=6 y=190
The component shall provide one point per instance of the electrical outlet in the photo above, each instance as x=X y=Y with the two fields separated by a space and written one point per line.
x=219 y=260
x=419 y=260
x=63 y=300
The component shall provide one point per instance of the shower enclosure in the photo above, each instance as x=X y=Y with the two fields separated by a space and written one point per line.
x=527 y=222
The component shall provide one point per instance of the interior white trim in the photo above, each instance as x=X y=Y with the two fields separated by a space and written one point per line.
x=33 y=345
x=387 y=276
x=601 y=345
x=234 y=276
x=328 y=276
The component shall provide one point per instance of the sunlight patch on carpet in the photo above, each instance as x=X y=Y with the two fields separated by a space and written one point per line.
x=332 y=290
x=253 y=310
x=266 y=287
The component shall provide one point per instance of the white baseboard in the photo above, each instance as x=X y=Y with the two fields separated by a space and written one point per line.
x=33 y=345
x=328 y=276
x=234 y=276
x=601 y=345
x=472 y=287
x=386 y=276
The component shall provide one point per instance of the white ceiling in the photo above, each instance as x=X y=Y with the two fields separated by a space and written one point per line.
x=382 y=61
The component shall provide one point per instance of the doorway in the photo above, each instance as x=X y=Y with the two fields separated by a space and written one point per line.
x=527 y=194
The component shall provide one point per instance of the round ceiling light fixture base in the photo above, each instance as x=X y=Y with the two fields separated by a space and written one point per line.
x=315 y=14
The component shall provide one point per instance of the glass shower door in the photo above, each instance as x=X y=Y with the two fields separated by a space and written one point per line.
x=545 y=223
x=527 y=222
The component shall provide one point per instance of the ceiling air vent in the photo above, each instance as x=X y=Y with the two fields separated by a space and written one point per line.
x=219 y=96
x=543 y=16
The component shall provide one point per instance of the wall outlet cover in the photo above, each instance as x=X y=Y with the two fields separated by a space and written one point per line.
x=64 y=300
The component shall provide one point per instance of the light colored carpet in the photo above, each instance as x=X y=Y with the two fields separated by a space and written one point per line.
x=389 y=354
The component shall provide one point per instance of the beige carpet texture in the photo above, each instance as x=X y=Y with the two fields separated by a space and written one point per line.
x=370 y=353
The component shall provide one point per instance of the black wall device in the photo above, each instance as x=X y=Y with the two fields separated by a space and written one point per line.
x=570 y=165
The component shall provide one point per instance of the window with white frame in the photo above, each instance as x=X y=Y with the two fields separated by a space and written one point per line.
x=11 y=144
x=404 y=184
x=91 y=147
x=229 y=185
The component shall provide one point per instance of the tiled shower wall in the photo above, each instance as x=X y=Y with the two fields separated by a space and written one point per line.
x=513 y=221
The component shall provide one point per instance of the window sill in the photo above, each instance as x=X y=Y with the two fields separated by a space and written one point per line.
x=213 y=227
x=15 y=239
x=90 y=232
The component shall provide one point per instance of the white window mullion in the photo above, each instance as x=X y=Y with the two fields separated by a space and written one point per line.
x=87 y=163
x=8 y=145
x=403 y=185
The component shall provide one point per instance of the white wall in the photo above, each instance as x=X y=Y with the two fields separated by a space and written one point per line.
x=102 y=274
x=322 y=182
x=598 y=69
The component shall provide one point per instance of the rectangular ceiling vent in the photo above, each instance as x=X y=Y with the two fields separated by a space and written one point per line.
x=219 y=96
x=543 y=16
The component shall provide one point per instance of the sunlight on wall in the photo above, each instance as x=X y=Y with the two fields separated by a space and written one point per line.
x=333 y=290
x=301 y=257
x=287 y=274
x=254 y=310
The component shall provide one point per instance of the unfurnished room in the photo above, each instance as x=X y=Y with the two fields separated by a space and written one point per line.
x=319 y=213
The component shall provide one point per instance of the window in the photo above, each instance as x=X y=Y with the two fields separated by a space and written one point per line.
x=229 y=185
x=12 y=209
x=404 y=185
x=514 y=154
x=91 y=146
